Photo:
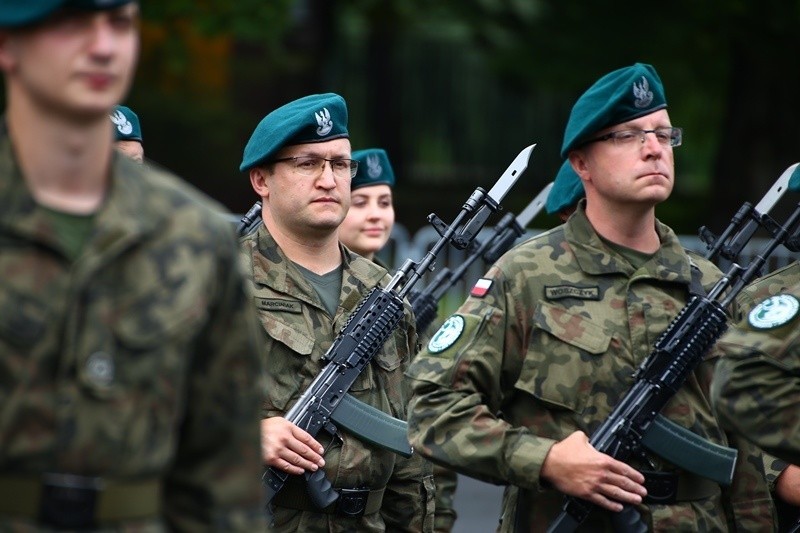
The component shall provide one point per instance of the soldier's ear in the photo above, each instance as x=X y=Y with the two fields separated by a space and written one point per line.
x=578 y=161
x=258 y=180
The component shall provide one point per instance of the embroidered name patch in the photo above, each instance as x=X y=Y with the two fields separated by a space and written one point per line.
x=481 y=287
x=774 y=311
x=568 y=291
x=285 y=306
x=447 y=334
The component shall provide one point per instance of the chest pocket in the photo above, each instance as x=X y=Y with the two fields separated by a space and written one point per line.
x=287 y=357
x=562 y=363
x=290 y=335
x=142 y=348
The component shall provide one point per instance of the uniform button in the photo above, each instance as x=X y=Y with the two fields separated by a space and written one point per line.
x=100 y=369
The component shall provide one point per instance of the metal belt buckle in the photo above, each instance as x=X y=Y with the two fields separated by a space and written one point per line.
x=69 y=501
x=352 y=502
x=662 y=487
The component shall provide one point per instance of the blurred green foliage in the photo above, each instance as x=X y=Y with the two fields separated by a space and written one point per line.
x=453 y=90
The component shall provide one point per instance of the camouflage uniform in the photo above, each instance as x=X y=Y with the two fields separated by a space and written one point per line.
x=446 y=479
x=298 y=332
x=756 y=390
x=134 y=363
x=550 y=349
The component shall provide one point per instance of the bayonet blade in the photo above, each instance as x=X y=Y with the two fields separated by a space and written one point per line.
x=777 y=190
x=729 y=248
x=534 y=208
x=509 y=177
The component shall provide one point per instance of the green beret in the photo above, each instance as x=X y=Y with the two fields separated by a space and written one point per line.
x=619 y=96
x=567 y=190
x=373 y=168
x=126 y=124
x=794 y=180
x=311 y=119
x=20 y=13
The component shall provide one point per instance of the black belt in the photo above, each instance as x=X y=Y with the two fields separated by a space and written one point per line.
x=68 y=501
x=351 y=502
x=666 y=488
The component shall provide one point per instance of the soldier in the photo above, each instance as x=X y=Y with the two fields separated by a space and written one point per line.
x=512 y=385
x=368 y=225
x=566 y=192
x=128 y=133
x=306 y=285
x=755 y=387
x=129 y=389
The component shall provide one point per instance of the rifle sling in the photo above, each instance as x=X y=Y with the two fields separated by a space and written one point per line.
x=690 y=451
x=372 y=425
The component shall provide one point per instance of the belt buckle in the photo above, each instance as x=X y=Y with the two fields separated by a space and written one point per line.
x=69 y=501
x=352 y=502
x=662 y=487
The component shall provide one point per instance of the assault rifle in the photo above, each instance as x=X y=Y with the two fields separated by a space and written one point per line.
x=368 y=328
x=675 y=355
x=426 y=302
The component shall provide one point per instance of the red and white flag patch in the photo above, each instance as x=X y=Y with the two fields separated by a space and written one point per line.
x=481 y=287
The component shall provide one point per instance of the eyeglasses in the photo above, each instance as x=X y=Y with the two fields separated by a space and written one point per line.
x=665 y=137
x=313 y=166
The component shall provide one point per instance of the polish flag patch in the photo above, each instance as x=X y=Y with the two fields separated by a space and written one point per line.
x=481 y=288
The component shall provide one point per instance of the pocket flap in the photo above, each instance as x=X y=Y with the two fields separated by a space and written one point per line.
x=571 y=328
x=297 y=341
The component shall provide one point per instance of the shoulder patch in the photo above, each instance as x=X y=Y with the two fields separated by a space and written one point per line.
x=481 y=287
x=773 y=312
x=275 y=304
x=447 y=334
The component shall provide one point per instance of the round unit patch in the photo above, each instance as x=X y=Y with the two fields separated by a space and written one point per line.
x=447 y=334
x=774 y=311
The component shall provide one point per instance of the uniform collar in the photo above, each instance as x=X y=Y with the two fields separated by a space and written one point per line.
x=124 y=214
x=265 y=253
x=669 y=263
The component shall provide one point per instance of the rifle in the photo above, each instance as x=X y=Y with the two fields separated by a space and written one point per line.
x=426 y=302
x=744 y=223
x=250 y=220
x=371 y=324
x=675 y=355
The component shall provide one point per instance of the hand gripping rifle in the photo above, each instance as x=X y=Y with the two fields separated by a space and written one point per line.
x=675 y=355
x=368 y=328
x=426 y=302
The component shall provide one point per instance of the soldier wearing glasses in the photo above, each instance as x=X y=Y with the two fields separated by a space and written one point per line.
x=306 y=285
x=513 y=384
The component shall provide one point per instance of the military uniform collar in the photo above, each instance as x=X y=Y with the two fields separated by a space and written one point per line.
x=123 y=215
x=669 y=263
x=291 y=282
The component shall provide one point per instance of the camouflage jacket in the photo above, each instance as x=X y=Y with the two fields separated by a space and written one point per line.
x=547 y=344
x=298 y=333
x=135 y=361
x=756 y=389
